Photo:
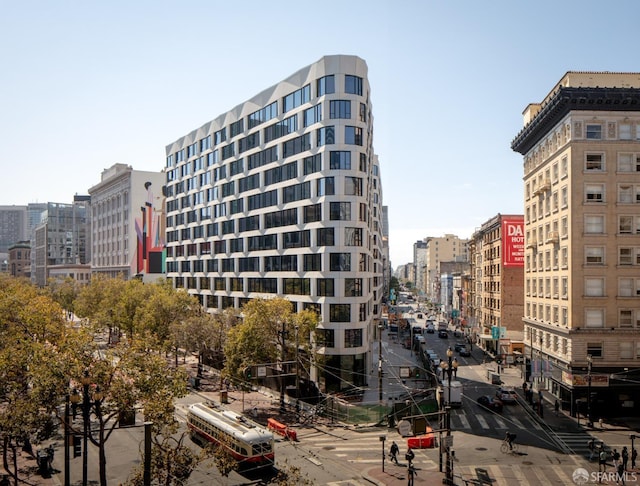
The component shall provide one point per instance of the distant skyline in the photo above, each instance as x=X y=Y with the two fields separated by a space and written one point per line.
x=88 y=85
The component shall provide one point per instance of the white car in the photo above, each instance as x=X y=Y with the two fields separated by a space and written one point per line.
x=506 y=394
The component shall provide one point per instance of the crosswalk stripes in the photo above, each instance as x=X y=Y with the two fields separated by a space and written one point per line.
x=575 y=442
x=522 y=475
x=463 y=420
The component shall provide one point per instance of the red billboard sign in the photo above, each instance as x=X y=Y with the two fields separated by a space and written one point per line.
x=513 y=242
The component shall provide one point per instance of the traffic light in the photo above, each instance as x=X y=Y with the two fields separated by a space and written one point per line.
x=416 y=373
x=247 y=372
x=77 y=446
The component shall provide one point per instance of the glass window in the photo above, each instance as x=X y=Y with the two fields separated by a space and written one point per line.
x=339 y=312
x=325 y=136
x=340 y=262
x=594 y=131
x=340 y=109
x=594 y=162
x=340 y=211
x=594 y=192
x=352 y=338
x=325 y=85
x=594 y=255
x=353 y=135
x=594 y=287
x=324 y=287
x=594 y=224
x=325 y=186
x=353 y=84
x=594 y=317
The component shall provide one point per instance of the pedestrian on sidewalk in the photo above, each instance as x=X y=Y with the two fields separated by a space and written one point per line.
x=634 y=456
x=602 y=460
x=393 y=452
x=620 y=475
x=556 y=407
x=412 y=472
x=625 y=457
x=592 y=448
x=409 y=456
x=616 y=458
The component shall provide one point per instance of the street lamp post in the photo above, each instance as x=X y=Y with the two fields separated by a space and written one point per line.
x=382 y=439
x=380 y=363
x=589 y=419
x=449 y=367
x=283 y=336
x=86 y=415
x=86 y=381
x=297 y=374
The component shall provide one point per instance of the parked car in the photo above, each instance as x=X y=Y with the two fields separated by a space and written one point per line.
x=490 y=403
x=458 y=345
x=506 y=394
x=443 y=334
x=463 y=351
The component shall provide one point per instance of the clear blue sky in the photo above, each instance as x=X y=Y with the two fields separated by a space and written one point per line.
x=85 y=85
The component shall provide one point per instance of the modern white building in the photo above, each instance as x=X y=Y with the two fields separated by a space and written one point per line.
x=282 y=196
x=127 y=224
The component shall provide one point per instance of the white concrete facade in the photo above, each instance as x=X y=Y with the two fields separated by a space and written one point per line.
x=282 y=196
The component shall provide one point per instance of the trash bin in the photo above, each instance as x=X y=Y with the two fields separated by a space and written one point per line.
x=224 y=396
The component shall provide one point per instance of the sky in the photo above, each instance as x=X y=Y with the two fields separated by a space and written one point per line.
x=85 y=85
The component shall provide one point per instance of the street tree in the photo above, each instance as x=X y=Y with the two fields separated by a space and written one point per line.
x=31 y=321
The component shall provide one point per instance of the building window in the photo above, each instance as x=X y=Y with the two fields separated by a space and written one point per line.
x=297 y=286
x=352 y=338
x=340 y=211
x=312 y=164
x=353 y=287
x=628 y=287
x=340 y=262
x=339 y=312
x=625 y=256
x=353 y=237
x=353 y=135
x=594 y=318
x=297 y=98
x=594 y=224
x=594 y=193
x=325 y=338
x=594 y=255
x=325 y=85
x=594 y=287
x=353 y=186
x=626 y=349
x=236 y=128
x=325 y=237
x=324 y=287
x=312 y=115
x=625 y=318
x=340 y=160
x=312 y=262
x=312 y=213
x=594 y=131
x=325 y=186
x=353 y=84
x=624 y=131
x=340 y=109
x=325 y=136
x=594 y=349
x=594 y=162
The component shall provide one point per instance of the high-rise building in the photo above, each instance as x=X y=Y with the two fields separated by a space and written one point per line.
x=282 y=196
x=495 y=296
x=127 y=224
x=581 y=149
x=61 y=238
x=13 y=228
x=436 y=250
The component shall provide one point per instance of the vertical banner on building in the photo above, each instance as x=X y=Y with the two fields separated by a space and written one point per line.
x=513 y=241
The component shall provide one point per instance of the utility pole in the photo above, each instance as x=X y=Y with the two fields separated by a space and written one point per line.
x=380 y=363
x=297 y=374
x=283 y=335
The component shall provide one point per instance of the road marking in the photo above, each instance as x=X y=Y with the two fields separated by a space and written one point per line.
x=501 y=424
x=465 y=422
x=482 y=421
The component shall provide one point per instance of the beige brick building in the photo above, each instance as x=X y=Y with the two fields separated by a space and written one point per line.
x=581 y=149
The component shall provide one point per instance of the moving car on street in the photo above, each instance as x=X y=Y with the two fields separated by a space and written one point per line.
x=506 y=394
x=490 y=403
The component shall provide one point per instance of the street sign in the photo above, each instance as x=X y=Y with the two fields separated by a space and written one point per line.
x=447 y=441
x=519 y=359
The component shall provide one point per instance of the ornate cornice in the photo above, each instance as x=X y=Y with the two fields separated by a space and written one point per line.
x=573 y=99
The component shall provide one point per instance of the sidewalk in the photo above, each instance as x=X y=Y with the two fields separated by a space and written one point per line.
x=397 y=475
